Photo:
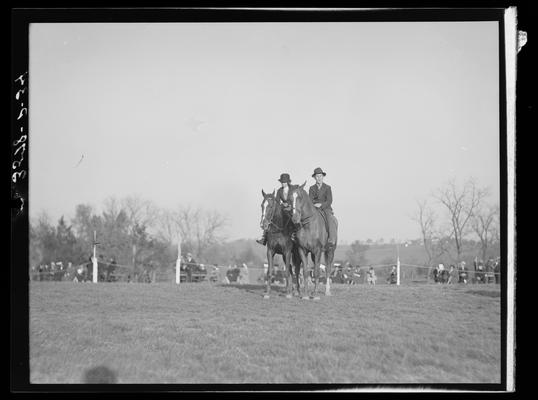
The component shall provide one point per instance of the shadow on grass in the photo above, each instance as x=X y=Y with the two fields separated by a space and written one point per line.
x=256 y=288
x=100 y=374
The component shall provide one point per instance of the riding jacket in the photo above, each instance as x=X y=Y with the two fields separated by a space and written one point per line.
x=322 y=195
x=280 y=194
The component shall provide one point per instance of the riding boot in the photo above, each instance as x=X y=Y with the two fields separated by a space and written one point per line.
x=331 y=241
x=263 y=239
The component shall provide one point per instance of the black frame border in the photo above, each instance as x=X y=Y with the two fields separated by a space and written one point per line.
x=21 y=18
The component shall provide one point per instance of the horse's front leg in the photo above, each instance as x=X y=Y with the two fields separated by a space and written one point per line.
x=298 y=278
x=329 y=256
x=304 y=261
x=270 y=255
x=317 y=261
x=297 y=263
x=289 y=281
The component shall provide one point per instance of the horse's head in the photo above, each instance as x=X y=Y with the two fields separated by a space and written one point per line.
x=268 y=205
x=298 y=201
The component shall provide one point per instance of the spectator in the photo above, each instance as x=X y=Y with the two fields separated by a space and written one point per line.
x=462 y=273
x=452 y=274
x=69 y=272
x=442 y=274
x=52 y=271
x=110 y=270
x=371 y=278
x=356 y=275
x=80 y=275
x=214 y=273
x=191 y=262
x=233 y=274
x=393 y=277
x=479 y=269
x=497 y=270
x=245 y=275
x=89 y=270
x=102 y=269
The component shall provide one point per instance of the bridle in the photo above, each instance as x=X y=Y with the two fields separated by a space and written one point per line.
x=270 y=219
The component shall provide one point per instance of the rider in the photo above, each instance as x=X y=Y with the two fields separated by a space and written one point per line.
x=282 y=196
x=322 y=197
x=371 y=276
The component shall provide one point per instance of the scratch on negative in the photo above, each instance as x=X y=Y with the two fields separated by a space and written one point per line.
x=81 y=158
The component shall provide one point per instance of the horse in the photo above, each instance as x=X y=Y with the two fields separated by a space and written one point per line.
x=279 y=229
x=311 y=237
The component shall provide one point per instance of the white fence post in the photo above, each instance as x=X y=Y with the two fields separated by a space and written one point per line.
x=94 y=274
x=398 y=271
x=178 y=262
x=398 y=263
x=94 y=258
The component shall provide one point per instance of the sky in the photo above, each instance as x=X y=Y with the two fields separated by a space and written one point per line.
x=209 y=114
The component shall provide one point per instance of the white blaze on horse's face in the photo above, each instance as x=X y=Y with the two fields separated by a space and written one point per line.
x=264 y=210
x=294 y=202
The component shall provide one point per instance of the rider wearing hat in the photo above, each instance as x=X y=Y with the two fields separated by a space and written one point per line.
x=322 y=197
x=282 y=196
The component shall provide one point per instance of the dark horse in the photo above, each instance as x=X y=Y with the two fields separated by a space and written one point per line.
x=311 y=237
x=279 y=230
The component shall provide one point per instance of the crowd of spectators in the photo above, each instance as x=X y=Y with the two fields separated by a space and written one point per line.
x=107 y=270
x=191 y=271
x=488 y=272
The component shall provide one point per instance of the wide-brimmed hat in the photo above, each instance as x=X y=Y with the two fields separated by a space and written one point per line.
x=284 y=178
x=318 y=170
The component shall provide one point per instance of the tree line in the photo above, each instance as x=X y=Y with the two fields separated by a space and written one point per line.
x=467 y=223
x=457 y=223
x=135 y=232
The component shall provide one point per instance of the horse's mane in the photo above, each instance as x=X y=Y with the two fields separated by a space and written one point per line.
x=305 y=195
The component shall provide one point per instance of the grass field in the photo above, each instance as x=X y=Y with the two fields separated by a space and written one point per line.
x=203 y=333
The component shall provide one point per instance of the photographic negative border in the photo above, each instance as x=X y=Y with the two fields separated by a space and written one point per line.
x=19 y=262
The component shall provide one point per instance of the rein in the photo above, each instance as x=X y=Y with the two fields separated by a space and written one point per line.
x=279 y=229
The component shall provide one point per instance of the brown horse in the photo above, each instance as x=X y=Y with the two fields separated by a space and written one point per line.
x=311 y=237
x=279 y=229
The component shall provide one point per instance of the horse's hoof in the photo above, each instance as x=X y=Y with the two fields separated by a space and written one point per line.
x=289 y=296
x=305 y=298
x=316 y=298
x=328 y=294
x=265 y=296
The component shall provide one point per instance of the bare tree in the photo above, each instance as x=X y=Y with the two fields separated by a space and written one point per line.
x=140 y=215
x=461 y=204
x=139 y=211
x=111 y=208
x=434 y=241
x=198 y=228
x=168 y=230
x=485 y=225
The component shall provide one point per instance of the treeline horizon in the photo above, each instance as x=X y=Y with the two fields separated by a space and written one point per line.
x=134 y=231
